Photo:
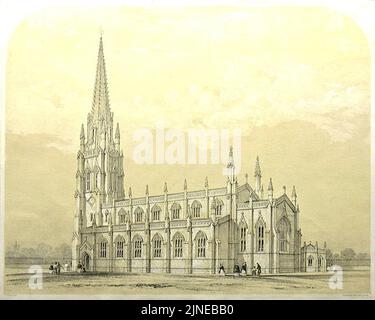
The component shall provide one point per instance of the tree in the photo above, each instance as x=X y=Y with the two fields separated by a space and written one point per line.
x=64 y=251
x=347 y=254
x=363 y=256
x=329 y=254
x=61 y=252
x=28 y=252
x=336 y=256
x=42 y=250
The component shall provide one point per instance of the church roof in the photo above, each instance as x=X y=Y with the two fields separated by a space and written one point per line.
x=283 y=198
x=246 y=186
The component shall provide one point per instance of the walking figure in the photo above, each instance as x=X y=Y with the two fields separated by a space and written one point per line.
x=58 y=267
x=259 y=269
x=55 y=268
x=244 y=269
x=221 y=270
x=79 y=267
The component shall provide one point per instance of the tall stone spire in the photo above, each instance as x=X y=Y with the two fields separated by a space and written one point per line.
x=100 y=175
x=100 y=102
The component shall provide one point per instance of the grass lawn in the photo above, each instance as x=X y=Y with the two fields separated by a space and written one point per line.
x=355 y=284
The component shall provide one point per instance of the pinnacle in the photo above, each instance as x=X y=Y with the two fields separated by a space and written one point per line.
x=270 y=186
x=294 y=194
x=82 y=135
x=257 y=168
x=117 y=134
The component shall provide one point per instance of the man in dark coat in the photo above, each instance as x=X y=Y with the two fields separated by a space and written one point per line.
x=244 y=267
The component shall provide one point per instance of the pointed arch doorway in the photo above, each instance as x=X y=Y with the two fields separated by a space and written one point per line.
x=86 y=261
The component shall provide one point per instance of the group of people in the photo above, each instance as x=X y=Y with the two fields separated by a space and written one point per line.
x=80 y=267
x=256 y=271
x=55 y=268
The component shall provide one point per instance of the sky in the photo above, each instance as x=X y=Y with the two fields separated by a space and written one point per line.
x=296 y=81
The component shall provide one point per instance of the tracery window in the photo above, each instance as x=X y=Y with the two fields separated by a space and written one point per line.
x=103 y=249
x=178 y=245
x=155 y=211
x=138 y=215
x=283 y=229
x=137 y=247
x=243 y=238
x=201 y=241
x=176 y=208
x=310 y=261
x=260 y=238
x=157 y=241
x=196 y=209
x=120 y=247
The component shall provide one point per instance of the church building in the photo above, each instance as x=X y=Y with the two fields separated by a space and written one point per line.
x=192 y=231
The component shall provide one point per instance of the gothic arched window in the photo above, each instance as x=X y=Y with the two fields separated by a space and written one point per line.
x=137 y=246
x=156 y=244
x=176 y=208
x=243 y=237
x=103 y=248
x=138 y=213
x=260 y=237
x=217 y=207
x=97 y=180
x=122 y=216
x=178 y=241
x=201 y=240
x=196 y=209
x=120 y=247
x=310 y=261
x=283 y=229
x=155 y=212
x=320 y=261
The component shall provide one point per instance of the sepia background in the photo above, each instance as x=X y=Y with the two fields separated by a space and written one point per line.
x=296 y=81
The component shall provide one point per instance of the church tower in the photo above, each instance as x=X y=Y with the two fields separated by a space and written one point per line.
x=100 y=174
